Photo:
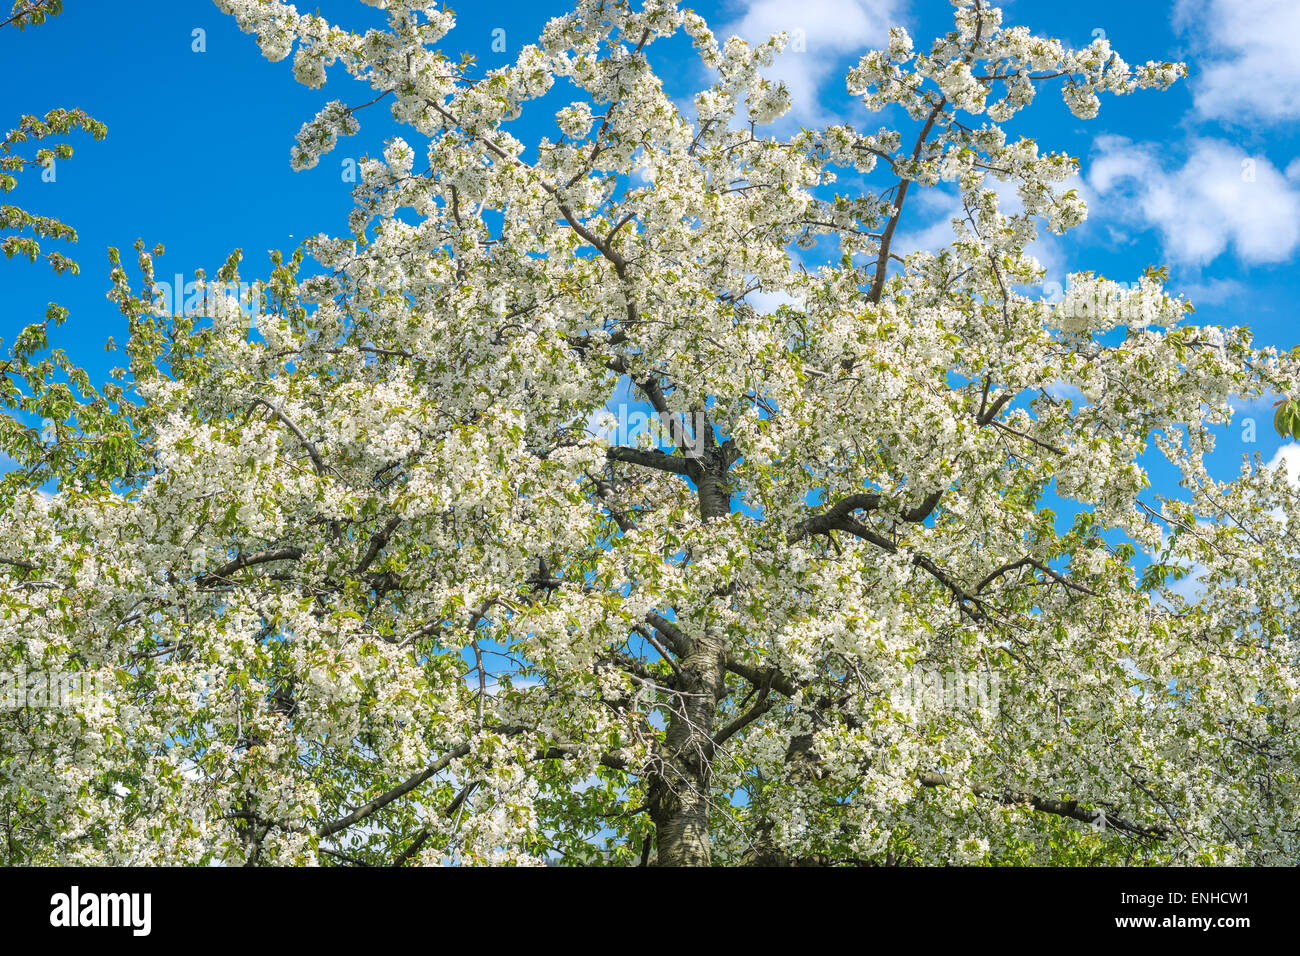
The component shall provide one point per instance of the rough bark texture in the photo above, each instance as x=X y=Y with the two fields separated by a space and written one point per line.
x=679 y=788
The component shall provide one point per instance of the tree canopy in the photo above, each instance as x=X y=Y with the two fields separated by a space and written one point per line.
x=361 y=578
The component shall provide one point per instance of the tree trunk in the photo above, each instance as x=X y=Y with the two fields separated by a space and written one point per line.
x=679 y=791
x=711 y=483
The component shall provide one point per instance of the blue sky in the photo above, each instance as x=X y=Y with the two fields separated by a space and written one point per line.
x=1204 y=178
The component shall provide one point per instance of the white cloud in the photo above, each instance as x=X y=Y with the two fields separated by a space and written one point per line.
x=1260 y=405
x=824 y=36
x=939 y=207
x=1192 y=587
x=1288 y=458
x=1060 y=389
x=765 y=303
x=1219 y=197
x=1211 y=291
x=1250 y=68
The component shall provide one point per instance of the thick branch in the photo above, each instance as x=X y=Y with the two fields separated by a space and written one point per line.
x=248 y=561
x=648 y=458
x=297 y=432
x=1061 y=808
x=402 y=789
x=836 y=518
x=887 y=237
x=761 y=707
x=415 y=780
x=377 y=543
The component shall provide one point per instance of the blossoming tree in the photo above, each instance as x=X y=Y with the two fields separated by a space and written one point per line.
x=361 y=583
x=27 y=229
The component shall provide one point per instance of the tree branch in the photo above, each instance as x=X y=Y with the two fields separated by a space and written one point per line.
x=887 y=237
x=649 y=458
x=298 y=433
x=1061 y=808
x=248 y=561
x=1030 y=562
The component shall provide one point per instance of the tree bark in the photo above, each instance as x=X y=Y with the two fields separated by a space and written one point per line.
x=711 y=483
x=679 y=791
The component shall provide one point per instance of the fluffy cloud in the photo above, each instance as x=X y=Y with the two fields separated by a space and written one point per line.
x=768 y=302
x=1219 y=197
x=1249 y=62
x=1288 y=458
x=1212 y=291
x=824 y=36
